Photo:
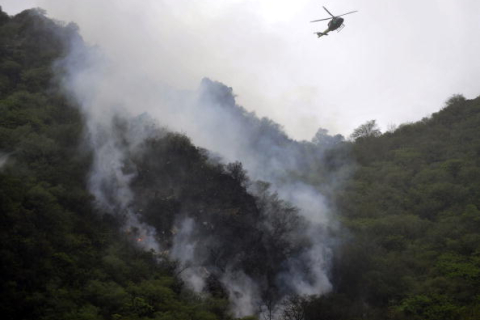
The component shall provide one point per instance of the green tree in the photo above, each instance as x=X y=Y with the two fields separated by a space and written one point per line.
x=367 y=130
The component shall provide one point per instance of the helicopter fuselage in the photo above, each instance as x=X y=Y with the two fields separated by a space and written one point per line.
x=335 y=23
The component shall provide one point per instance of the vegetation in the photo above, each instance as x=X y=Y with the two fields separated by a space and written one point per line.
x=409 y=245
x=412 y=249
x=61 y=258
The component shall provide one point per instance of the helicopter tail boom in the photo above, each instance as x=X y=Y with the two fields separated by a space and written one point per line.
x=319 y=34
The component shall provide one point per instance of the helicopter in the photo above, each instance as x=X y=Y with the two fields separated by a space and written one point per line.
x=335 y=23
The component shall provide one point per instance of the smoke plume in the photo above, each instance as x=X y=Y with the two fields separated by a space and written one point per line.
x=3 y=159
x=123 y=106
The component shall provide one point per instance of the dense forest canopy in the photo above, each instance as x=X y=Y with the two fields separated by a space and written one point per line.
x=62 y=258
x=408 y=202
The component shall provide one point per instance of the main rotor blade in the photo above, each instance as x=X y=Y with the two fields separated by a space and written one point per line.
x=321 y=20
x=348 y=13
x=328 y=12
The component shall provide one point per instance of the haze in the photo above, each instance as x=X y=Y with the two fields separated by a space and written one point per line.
x=396 y=61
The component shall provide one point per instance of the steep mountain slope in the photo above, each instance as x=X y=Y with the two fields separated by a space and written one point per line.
x=127 y=166
x=74 y=230
x=412 y=209
x=124 y=220
x=62 y=258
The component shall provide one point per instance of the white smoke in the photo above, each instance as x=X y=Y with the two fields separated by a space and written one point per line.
x=3 y=159
x=184 y=251
x=109 y=86
x=272 y=157
x=85 y=71
x=243 y=293
x=241 y=289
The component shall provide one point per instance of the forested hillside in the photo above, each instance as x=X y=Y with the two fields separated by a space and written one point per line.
x=60 y=257
x=412 y=221
x=66 y=256
x=407 y=245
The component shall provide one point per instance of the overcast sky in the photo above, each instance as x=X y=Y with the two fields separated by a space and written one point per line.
x=395 y=61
